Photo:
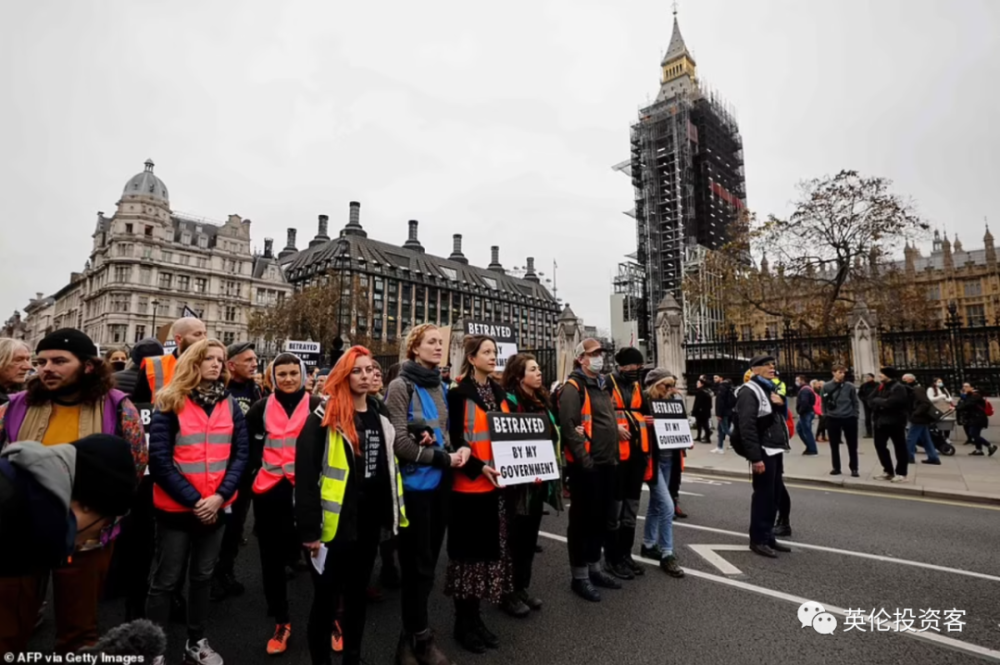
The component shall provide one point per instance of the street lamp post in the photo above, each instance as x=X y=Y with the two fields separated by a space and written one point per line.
x=155 y=304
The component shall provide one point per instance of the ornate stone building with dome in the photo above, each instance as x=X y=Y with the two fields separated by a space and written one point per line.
x=150 y=264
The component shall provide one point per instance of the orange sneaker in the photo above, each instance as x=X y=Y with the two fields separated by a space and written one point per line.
x=279 y=642
x=337 y=638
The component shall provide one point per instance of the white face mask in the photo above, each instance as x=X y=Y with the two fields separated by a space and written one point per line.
x=940 y=384
x=597 y=364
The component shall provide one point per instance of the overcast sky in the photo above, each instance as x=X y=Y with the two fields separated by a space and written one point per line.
x=498 y=121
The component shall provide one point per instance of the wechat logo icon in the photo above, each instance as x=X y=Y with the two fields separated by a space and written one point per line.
x=815 y=615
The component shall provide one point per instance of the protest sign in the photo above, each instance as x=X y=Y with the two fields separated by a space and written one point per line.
x=502 y=333
x=308 y=352
x=670 y=424
x=522 y=450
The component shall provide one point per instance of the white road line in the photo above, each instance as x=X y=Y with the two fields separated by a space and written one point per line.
x=933 y=638
x=862 y=555
x=710 y=553
x=645 y=488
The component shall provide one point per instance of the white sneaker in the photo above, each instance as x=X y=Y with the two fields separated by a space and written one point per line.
x=201 y=654
x=882 y=476
x=714 y=450
x=898 y=479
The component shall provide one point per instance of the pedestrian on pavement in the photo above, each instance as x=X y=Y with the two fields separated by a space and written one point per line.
x=868 y=387
x=419 y=415
x=658 y=534
x=842 y=406
x=198 y=452
x=480 y=566
x=702 y=412
x=526 y=393
x=347 y=490
x=15 y=365
x=761 y=436
x=72 y=396
x=725 y=401
x=817 y=387
x=635 y=464
x=805 y=407
x=160 y=370
x=241 y=361
x=940 y=397
x=46 y=493
x=273 y=426
x=127 y=379
x=976 y=411
x=585 y=400
x=890 y=404
x=920 y=419
x=783 y=526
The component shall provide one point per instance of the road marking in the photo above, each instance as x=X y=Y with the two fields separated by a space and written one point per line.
x=933 y=638
x=709 y=553
x=645 y=488
x=706 y=481
x=862 y=555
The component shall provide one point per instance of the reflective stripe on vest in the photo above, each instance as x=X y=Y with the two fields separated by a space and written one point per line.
x=281 y=431
x=635 y=410
x=477 y=435
x=160 y=372
x=586 y=420
x=201 y=451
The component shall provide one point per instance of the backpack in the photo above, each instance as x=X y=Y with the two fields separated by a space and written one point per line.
x=988 y=409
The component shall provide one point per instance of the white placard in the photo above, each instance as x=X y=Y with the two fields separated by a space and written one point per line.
x=521 y=462
x=670 y=425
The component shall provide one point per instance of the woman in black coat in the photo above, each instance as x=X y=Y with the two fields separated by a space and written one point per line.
x=702 y=412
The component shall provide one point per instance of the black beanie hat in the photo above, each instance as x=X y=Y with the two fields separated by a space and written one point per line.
x=890 y=372
x=629 y=356
x=105 y=476
x=71 y=340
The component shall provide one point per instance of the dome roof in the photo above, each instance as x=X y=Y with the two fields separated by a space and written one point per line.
x=146 y=184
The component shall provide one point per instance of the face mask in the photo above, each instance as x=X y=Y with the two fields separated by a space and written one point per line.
x=118 y=366
x=596 y=364
x=631 y=375
x=940 y=384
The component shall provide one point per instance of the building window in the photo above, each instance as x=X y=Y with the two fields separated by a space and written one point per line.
x=140 y=333
x=200 y=285
x=166 y=257
x=934 y=292
x=185 y=238
x=363 y=281
x=232 y=288
x=128 y=229
x=203 y=242
x=143 y=305
x=148 y=231
x=975 y=315
x=183 y=283
x=118 y=333
x=202 y=262
x=123 y=274
x=973 y=288
x=165 y=280
x=185 y=259
x=228 y=337
x=145 y=276
x=125 y=249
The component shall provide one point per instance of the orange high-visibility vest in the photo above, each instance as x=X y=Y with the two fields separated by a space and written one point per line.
x=281 y=432
x=477 y=434
x=201 y=451
x=586 y=419
x=160 y=372
x=621 y=415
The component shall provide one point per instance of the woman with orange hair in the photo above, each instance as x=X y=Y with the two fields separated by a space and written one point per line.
x=347 y=490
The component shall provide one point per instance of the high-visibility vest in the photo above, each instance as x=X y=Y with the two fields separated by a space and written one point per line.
x=477 y=434
x=622 y=413
x=281 y=433
x=160 y=372
x=333 y=485
x=586 y=419
x=201 y=451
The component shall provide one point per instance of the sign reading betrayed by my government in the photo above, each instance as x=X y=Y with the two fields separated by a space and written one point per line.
x=309 y=352
x=522 y=449
x=670 y=424
x=502 y=333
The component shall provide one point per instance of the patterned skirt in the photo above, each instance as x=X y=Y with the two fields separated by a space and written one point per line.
x=484 y=580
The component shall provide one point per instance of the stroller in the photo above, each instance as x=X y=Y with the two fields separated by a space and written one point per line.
x=941 y=433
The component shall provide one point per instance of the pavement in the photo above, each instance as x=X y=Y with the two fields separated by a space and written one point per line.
x=853 y=550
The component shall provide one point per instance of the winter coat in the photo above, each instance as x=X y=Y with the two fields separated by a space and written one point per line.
x=604 y=444
x=920 y=412
x=805 y=401
x=890 y=404
x=972 y=411
x=753 y=431
x=702 y=404
x=725 y=399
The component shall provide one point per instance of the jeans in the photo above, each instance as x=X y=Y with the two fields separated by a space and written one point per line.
x=274 y=515
x=897 y=434
x=724 y=426
x=419 y=547
x=921 y=434
x=346 y=573
x=976 y=436
x=173 y=548
x=848 y=427
x=804 y=429
x=768 y=488
x=592 y=495
x=659 y=529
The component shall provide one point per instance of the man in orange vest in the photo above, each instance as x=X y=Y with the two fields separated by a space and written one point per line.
x=585 y=400
x=634 y=464
x=156 y=372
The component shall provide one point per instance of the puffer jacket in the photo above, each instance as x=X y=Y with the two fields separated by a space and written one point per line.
x=754 y=432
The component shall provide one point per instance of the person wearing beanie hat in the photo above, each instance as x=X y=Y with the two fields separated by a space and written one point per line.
x=72 y=397
x=890 y=404
x=56 y=502
x=127 y=379
x=635 y=464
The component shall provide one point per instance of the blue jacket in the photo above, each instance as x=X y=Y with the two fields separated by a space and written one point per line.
x=162 y=434
x=805 y=401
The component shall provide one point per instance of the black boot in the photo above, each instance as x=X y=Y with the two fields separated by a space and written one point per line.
x=515 y=606
x=485 y=634
x=626 y=541
x=426 y=650
x=466 y=629
x=783 y=529
x=404 y=651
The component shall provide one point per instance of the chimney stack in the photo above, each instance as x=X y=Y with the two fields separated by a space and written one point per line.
x=495 y=260
x=456 y=250
x=321 y=235
x=268 y=248
x=290 y=247
x=412 y=242
x=529 y=273
x=353 y=227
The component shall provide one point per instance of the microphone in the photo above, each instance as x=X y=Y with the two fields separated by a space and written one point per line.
x=136 y=638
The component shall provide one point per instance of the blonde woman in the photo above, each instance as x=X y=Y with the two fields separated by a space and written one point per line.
x=15 y=363
x=198 y=450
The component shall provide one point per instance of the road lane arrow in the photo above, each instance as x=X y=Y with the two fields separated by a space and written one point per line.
x=709 y=553
x=705 y=481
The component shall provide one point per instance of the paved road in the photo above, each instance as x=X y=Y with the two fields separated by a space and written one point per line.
x=711 y=617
